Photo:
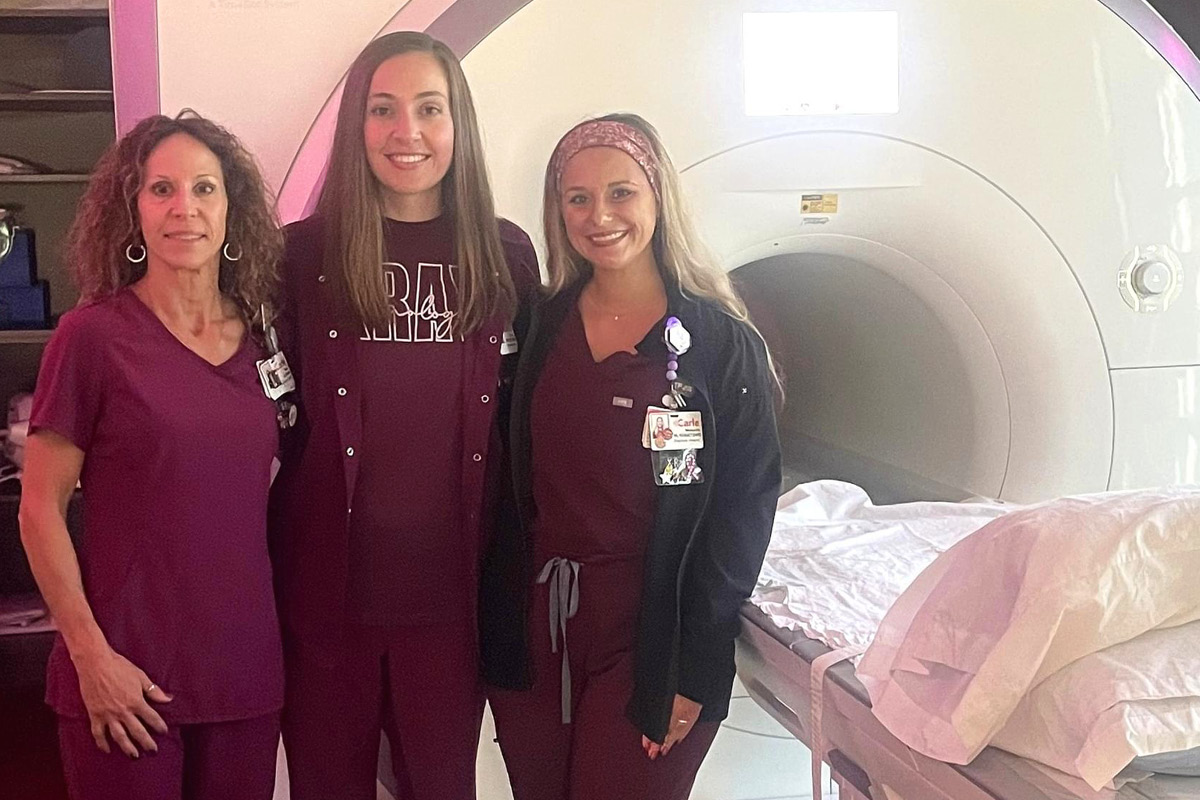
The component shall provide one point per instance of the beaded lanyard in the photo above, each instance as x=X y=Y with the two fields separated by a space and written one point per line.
x=678 y=341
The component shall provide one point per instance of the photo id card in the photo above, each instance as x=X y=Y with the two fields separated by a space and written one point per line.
x=674 y=430
x=276 y=376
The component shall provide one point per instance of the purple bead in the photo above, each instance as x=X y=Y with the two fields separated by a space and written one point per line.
x=671 y=375
x=672 y=364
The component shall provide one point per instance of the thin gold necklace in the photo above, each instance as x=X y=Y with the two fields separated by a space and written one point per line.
x=606 y=312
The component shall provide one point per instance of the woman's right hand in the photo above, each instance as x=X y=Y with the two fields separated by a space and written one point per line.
x=114 y=690
x=115 y=693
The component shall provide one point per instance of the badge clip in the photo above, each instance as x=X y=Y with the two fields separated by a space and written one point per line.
x=676 y=337
x=508 y=343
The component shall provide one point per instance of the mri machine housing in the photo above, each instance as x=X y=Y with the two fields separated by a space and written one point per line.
x=983 y=314
x=958 y=325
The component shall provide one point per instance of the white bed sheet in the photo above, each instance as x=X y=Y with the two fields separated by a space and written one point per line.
x=1019 y=601
x=837 y=562
x=1094 y=717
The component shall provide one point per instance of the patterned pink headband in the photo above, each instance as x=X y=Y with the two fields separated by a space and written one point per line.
x=607 y=133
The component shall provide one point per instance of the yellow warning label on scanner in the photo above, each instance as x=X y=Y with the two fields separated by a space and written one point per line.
x=818 y=204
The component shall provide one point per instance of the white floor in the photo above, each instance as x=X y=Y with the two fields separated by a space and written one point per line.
x=753 y=758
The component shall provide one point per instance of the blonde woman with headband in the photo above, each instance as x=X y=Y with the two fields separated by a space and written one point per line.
x=612 y=590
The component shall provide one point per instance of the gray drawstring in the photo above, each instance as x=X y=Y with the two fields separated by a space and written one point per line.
x=564 y=602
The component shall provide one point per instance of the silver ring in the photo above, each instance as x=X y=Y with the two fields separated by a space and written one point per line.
x=677 y=722
x=150 y=688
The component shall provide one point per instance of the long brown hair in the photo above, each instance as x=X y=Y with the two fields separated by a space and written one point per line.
x=106 y=223
x=677 y=247
x=351 y=205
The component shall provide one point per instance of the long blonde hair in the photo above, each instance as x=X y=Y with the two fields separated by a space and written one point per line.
x=677 y=248
x=351 y=206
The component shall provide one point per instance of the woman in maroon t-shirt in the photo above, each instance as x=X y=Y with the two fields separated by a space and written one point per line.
x=149 y=396
x=400 y=290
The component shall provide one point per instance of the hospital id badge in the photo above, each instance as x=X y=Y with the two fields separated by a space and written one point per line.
x=508 y=343
x=674 y=430
x=676 y=467
x=276 y=376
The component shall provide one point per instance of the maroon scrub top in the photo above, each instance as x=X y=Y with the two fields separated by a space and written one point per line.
x=176 y=470
x=593 y=484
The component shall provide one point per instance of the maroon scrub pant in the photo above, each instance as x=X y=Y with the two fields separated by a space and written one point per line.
x=598 y=755
x=418 y=683
x=207 y=761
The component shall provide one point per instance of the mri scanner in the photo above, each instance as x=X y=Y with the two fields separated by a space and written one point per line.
x=969 y=228
x=997 y=293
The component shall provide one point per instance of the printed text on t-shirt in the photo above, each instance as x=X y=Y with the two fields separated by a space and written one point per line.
x=424 y=309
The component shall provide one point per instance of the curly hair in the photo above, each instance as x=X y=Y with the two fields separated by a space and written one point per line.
x=106 y=222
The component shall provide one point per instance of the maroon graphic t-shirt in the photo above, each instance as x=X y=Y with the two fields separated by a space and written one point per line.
x=406 y=553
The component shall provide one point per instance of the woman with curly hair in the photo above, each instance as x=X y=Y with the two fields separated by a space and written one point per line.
x=150 y=397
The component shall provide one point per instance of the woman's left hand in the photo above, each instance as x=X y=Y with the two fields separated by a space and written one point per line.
x=683 y=717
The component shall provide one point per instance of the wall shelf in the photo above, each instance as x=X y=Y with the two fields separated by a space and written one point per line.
x=57 y=101
x=91 y=14
x=61 y=47
x=54 y=177
x=25 y=337
x=55 y=21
